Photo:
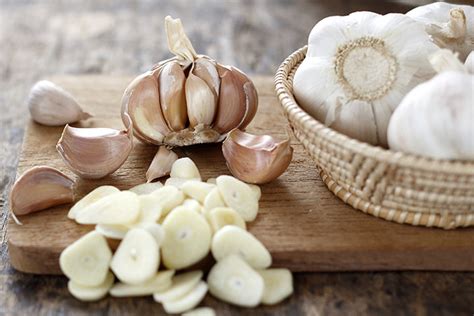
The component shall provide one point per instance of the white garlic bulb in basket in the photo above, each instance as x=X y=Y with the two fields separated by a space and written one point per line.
x=436 y=119
x=450 y=25
x=358 y=68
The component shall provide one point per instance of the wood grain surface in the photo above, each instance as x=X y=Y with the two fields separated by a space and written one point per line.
x=39 y=38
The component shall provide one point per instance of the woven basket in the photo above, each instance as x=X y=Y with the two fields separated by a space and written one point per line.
x=391 y=185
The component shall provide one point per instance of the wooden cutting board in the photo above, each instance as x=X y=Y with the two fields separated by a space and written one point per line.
x=305 y=227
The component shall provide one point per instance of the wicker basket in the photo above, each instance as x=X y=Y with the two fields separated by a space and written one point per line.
x=391 y=185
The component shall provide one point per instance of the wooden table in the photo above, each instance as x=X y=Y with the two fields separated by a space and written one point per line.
x=125 y=37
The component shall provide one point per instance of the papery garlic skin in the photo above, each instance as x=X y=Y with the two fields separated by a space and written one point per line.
x=450 y=25
x=436 y=119
x=358 y=68
x=469 y=64
x=51 y=105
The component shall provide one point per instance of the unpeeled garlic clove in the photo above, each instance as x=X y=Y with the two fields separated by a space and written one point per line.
x=251 y=97
x=205 y=69
x=40 y=188
x=141 y=100
x=51 y=105
x=200 y=101
x=95 y=152
x=256 y=159
x=172 y=98
x=161 y=164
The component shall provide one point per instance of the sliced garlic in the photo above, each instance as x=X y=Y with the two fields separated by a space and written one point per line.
x=160 y=282
x=238 y=195
x=40 y=188
x=86 y=261
x=187 y=238
x=91 y=293
x=192 y=205
x=211 y=180
x=201 y=311
x=185 y=168
x=150 y=208
x=222 y=216
x=161 y=164
x=188 y=301
x=200 y=101
x=90 y=198
x=256 y=159
x=172 y=97
x=112 y=231
x=213 y=200
x=197 y=190
x=181 y=285
x=137 y=258
x=256 y=190
x=146 y=188
x=235 y=240
x=169 y=197
x=154 y=229
x=233 y=281
x=95 y=152
x=178 y=182
x=278 y=285
x=115 y=209
x=51 y=105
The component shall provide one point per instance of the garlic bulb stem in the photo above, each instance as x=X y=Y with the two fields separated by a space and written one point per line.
x=445 y=60
x=178 y=43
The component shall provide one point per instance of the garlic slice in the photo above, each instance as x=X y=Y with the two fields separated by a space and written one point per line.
x=40 y=188
x=146 y=188
x=91 y=293
x=95 y=152
x=185 y=168
x=222 y=216
x=201 y=311
x=188 y=301
x=238 y=195
x=90 y=198
x=197 y=190
x=51 y=105
x=181 y=285
x=278 y=285
x=172 y=98
x=161 y=164
x=256 y=159
x=169 y=197
x=213 y=200
x=160 y=282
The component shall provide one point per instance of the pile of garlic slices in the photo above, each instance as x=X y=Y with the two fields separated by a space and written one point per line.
x=166 y=228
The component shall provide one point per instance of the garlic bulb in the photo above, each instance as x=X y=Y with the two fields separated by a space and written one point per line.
x=450 y=25
x=256 y=159
x=51 y=105
x=469 y=64
x=358 y=68
x=94 y=153
x=436 y=118
x=190 y=98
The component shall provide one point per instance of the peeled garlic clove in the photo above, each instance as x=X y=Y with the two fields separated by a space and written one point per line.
x=40 y=188
x=278 y=285
x=179 y=182
x=213 y=200
x=197 y=190
x=238 y=195
x=137 y=258
x=91 y=293
x=160 y=282
x=201 y=311
x=95 y=152
x=200 y=101
x=181 y=285
x=146 y=188
x=233 y=281
x=206 y=70
x=117 y=208
x=51 y=105
x=187 y=238
x=256 y=159
x=86 y=261
x=231 y=107
x=90 y=198
x=185 y=168
x=172 y=96
x=188 y=301
x=161 y=164
x=251 y=96
x=222 y=216
x=141 y=101
x=169 y=197
x=232 y=239
x=112 y=231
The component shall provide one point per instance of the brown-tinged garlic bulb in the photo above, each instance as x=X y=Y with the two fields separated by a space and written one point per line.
x=51 y=105
x=256 y=159
x=190 y=98
x=40 y=188
x=95 y=152
x=161 y=164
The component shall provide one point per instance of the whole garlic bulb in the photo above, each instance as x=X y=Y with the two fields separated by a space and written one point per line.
x=469 y=64
x=436 y=119
x=190 y=98
x=358 y=68
x=450 y=25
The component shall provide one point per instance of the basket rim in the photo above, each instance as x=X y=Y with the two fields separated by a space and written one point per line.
x=294 y=112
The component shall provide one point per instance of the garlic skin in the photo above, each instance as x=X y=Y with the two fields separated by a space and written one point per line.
x=94 y=153
x=449 y=25
x=435 y=119
x=40 y=188
x=161 y=164
x=51 y=105
x=188 y=99
x=256 y=159
x=358 y=68
x=469 y=64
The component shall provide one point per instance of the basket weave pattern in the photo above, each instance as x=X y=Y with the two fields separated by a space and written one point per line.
x=391 y=185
